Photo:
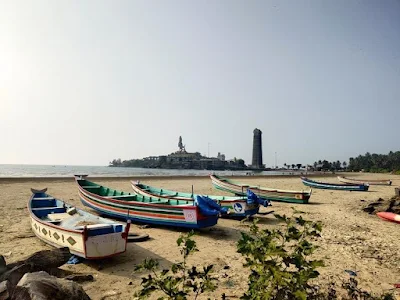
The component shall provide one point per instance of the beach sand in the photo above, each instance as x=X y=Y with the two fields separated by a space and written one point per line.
x=351 y=239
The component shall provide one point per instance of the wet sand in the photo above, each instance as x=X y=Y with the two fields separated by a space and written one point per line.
x=351 y=239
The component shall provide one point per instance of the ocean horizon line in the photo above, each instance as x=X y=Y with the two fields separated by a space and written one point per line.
x=52 y=171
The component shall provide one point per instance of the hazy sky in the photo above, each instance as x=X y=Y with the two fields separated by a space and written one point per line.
x=83 y=82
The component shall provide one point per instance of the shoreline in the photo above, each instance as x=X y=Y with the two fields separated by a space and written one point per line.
x=160 y=177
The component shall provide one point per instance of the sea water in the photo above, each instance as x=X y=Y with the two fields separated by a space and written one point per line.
x=104 y=171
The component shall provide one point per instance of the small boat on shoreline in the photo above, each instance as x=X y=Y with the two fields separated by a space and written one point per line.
x=388 y=216
x=239 y=189
x=334 y=186
x=365 y=181
x=200 y=213
x=86 y=235
x=239 y=206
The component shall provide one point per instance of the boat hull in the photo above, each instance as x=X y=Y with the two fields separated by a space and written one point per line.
x=369 y=182
x=388 y=216
x=238 y=206
x=181 y=215
x=332 y=186
x=97 y=247
x=264 y=193
x=87 y=241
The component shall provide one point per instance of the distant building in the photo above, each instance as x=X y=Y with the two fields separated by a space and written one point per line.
x=318 y=167
x=221 y=156
x=182 y=159
x=151 y=158
x=257 y=160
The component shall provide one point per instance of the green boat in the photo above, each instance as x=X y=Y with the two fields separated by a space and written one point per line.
x=149 y=210
x=236 y=188
x=238 y=206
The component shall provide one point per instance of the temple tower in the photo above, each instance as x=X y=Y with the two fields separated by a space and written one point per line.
x=257 y=161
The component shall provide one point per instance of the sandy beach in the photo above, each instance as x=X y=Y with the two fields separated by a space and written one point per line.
x=351 y=239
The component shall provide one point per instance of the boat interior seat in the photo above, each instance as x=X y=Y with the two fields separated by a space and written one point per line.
x=43 y=198
x=46 y=211
x=50 y=207
x=91 y=186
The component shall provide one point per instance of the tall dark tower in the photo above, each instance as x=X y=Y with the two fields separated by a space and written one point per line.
x=257 y=161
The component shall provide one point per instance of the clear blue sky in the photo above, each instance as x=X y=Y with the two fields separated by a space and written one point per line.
x=83 y=82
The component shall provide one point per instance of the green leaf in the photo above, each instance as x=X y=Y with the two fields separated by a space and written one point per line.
x=179 y=241
x=301 y=295
x=317 y=226
x=317 y=263
x=300 y=221
x=208 y=268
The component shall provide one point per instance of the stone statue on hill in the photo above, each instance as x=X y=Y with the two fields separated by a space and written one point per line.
x=181 y=146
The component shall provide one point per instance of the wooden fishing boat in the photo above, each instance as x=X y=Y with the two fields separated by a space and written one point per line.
x=86 y=235
x=149 y=210
x=388 y=216
x=237 y=206
x=334 y=186
x=365 y=181
x=262 y=192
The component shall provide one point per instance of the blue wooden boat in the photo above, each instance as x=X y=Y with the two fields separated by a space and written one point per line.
x=86 y=235
x=334 y=186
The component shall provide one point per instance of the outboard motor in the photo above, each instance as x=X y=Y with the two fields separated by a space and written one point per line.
x=254 y=199
x=209 y=207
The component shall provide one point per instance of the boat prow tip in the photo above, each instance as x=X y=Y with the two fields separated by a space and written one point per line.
x=35 y=191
